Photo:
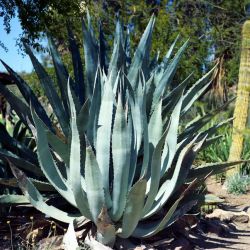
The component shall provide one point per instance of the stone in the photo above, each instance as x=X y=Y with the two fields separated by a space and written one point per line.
x=248 y=211
x=229 y=216
x=241 y=217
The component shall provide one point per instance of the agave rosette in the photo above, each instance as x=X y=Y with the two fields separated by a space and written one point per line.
x=120 y=157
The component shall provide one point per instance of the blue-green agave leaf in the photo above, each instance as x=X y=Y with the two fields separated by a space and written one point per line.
x=20 y=162
x=195 y=97
x=133 y=149
x=77 y=66
x=171 y=139
x=195 y=126
x=155 y=125
x=127 y=48
x=136 y=112
x=181 y=211
x=169 y=185
x=149 y=229
x=36 y=199
x=83 y=118
x=17 y=104
x=121 y=159
x=17 y=129
x=168 y=75
x=213 y=199
x=133 y=209
x=77 y=160
x=102 y=50
x=154 y=62
x=141 y=57
x=188 y=160
x=91 y=56
x=212 y=130
x=61 y=73
x=201 y=122
x=13 y=199
x=47 y=163
x=171 y=100
x=50 y=91
x=212 y=168
x=209 y=132
x=90 y=27
x=60 y=147
x=197 y=90
x=94 y=184
x=104 y=137
x=167 y=57
x=95 y=109
x=155 y=174
x=146 y=148
x=150 y=89
x=13 y=145
x=212 y=140
x=29 y=95
x=159 y=69
x=40 y=185
x=118 y=56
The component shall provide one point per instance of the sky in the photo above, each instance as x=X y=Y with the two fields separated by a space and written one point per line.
x=13 y=58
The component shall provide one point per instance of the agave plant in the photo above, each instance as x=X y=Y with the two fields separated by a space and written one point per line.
x=17 y=146
x=116 y=154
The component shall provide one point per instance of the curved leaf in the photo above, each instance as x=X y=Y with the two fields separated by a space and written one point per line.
x=133 y=209
x=121 y=160
x=48 y=165
x=36 y=199
x=141 y=56
x=104 y=137
x=50 y=91
x=77 y=160
x=13 y=199
x=29 y=95
x=77 y=66
x=94 y=184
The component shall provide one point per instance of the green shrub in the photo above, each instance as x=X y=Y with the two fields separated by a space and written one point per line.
x=238 y=184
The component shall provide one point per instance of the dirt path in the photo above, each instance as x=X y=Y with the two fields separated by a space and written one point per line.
x=237 y=239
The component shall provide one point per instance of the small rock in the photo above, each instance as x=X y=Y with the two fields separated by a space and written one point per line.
x=229 y=216
x=241 y=217
x=248 y=211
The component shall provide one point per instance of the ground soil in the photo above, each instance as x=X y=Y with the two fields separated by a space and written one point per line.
x=24 y=221
x=236 y=239
x=237 y=201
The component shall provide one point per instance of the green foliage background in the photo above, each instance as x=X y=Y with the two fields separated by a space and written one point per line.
x=213 y=26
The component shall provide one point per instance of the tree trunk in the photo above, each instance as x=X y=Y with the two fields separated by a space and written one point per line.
x=241 y=104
